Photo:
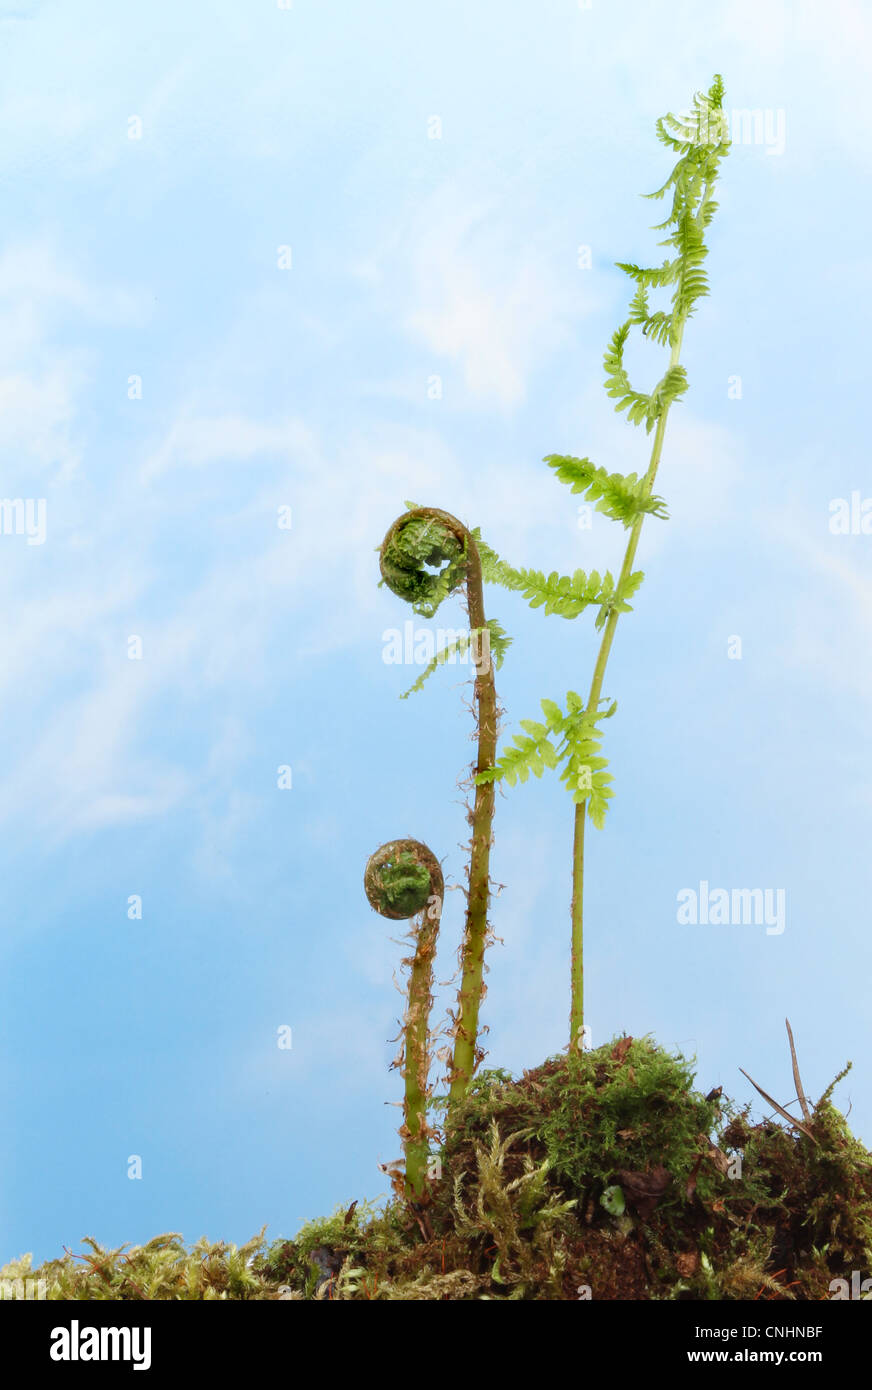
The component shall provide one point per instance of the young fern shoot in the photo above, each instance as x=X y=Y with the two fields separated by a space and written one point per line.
x=572 y=739
x=426 y=555
x=404 y=879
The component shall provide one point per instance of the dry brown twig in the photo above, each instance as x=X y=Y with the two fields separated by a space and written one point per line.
x=797 y=1124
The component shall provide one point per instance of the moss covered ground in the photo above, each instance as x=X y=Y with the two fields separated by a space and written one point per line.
x=607 y=1177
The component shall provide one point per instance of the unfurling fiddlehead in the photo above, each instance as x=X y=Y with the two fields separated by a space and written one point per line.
x=403 y=879
x=426 y=555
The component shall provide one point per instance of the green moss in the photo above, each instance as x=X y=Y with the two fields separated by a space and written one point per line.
x=519 y=1209
x=612 y=1109
x=162 y=1269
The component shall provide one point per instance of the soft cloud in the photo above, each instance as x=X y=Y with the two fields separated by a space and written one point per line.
x=37 y=413
x=42 y=382
x=37 y=273
x=483 y=299
x=831 y=639
x=194 y=443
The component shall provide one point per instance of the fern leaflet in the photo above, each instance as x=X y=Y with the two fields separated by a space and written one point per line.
x=620 y=496
x=573 y=740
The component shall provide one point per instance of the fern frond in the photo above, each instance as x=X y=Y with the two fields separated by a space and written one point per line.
x=500 y=641
x=584 y=771
x=638 y=310
x=661 y=192
x=664 y=135
x=701 y=140
x=692 y=282
x=579 y=751
x=498 y=644
x=451 y=649
x=620 y=496
x=617 y=382
x=653 y=277
x=408 y=564
x=672 y=385
x=641 y=408
x=566 y=595
x=659 y=327
x=615 y=601
x=530 y=752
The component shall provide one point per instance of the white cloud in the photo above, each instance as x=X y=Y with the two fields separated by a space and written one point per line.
x=194 y=442
x=835 y=44
x=81 y=772
x=831 y=639
x=35 y=272
x=480 y=298
x=40 y=382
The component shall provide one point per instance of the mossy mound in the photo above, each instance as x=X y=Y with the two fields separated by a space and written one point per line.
x=607 y=1177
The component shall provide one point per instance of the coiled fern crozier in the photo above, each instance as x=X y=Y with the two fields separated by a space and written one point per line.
x=404 y=879
x=572 y=738
x=426 y=555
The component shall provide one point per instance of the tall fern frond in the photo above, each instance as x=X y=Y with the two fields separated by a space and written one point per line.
x=702 y=141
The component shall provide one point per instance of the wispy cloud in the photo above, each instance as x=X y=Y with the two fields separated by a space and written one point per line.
x=193 y=443
x=484 y=302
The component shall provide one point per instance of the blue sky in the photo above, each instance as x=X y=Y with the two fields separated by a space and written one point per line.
x=411 y=258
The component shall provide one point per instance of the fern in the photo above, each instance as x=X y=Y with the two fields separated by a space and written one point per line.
x=640 y=408
x=410 y=558
x=533 y=750
x=426 y=554
x=657 y=326
x=584 y=769
x=619 y=496
x=566 y=595
x=615 y=600
x=571 y=741
x=498 y=643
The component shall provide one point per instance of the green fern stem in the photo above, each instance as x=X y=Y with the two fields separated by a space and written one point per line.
x=451 y=537
x=576 y=1020
x=404 y=879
